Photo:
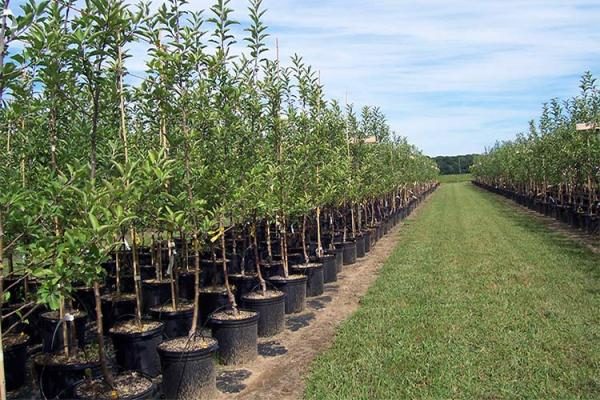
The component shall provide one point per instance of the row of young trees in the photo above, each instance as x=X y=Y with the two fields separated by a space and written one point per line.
x=210 y=138
x=558 y=160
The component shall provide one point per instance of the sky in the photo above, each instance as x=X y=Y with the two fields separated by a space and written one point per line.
x=453 y=76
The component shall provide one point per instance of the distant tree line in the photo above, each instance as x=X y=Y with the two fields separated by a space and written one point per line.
x=450 y=165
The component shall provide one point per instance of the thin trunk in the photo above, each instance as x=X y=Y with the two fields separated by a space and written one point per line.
x=352 y=220
x=194 y=326
x=122 y=114
x=65 y=328
x=261 y=280
x=304 y=239
x=284 y=252
x=159 y=268
x=224 y=264
x=172 y=273
x=108 y=378
x=2 y=376
x=136 y=278
x=319 y=244
x=332 y=228
x=118 y=269
x=269 y=248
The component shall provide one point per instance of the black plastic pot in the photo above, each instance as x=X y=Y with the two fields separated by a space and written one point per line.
x=59 y=380
x=294 y=288
x=84 y=296
x=15 y=361
x=271 y=312
x=213 y=272
x=338 y=252
x=243 y=284
x=154 y=294
x=211 y=301
x=125 y=281
x=360 y=246
x=187 y=285
x=147 y=272
x=329 y=268
x=349 y=253
x=238 y=338
x=189 y=375
x=52 y=338
x=314 y=275
x=176 y=323
x=147 y=394
x=117 y=309
x=367 y=235
x=137 y=351
x=274 y=268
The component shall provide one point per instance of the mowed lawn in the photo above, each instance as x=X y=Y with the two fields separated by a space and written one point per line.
x=478 y=301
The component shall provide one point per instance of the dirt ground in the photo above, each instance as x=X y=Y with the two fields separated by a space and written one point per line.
x=283 y=362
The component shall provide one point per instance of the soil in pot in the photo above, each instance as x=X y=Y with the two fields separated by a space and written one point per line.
x=135 y=346
x=52 y=338
x=117 y=308
x=270 y=307
x=57 y=375
x=237 y=335
x=294 y=287
x=155 y=293
x=188 y=368
x=212 y=299
x=176 y=322
x=243 y=284
x=314 y=275
x=129 y=385
x=15 y=360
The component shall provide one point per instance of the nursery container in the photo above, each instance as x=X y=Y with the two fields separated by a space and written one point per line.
x=237 y=336
x=135 y=349
x=188 y=368
x=270 y=308
x=294 y=286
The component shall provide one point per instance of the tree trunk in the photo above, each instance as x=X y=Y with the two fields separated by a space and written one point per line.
x=261 y=280
x=108 y=378
x=194 y=327
x=136 y=279
x=224 y=264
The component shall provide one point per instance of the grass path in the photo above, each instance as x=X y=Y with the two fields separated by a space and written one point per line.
x=476 y=302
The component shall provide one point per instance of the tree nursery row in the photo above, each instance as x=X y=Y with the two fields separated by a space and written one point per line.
x=555 y=168
x=217 y=189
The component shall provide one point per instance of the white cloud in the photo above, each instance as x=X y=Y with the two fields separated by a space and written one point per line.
x=453 y=76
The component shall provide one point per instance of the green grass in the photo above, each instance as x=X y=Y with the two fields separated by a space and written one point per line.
x=455 y=178
x=476 y=302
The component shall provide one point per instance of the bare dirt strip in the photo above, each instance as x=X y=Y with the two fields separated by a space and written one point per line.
x=284 y=360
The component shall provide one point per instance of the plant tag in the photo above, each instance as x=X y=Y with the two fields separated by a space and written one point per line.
x=69 y=317
x=171 y=262
x=127 y=247
x=292 y=229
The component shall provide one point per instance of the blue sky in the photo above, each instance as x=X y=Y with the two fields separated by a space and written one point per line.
x=453 y=76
